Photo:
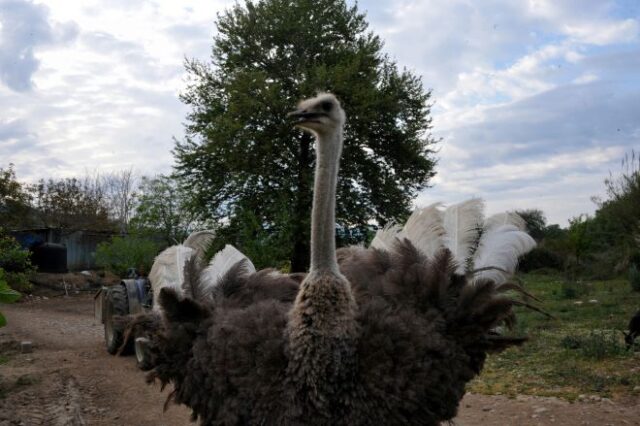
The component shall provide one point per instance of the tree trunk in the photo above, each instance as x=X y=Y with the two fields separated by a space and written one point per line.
x=301 y=255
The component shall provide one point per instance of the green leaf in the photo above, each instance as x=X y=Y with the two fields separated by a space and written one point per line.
x=7 y=295
x=3 y=320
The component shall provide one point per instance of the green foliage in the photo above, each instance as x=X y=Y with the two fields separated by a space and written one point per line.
x=569 y=290
x=617 y=221
x=634 y=277
x=122 y=253
x=72 y=203
x=265 y=247
x=536 y=222
x=162 y=210
x=15 y=262
x=14 y=200
x=579 y=239
x=241 y=155
x=601 y=246
x=541 y=258
x=27 y=380
x=597 y=344
x=7 y=295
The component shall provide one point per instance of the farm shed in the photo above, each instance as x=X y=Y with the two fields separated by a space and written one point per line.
x=80 y=244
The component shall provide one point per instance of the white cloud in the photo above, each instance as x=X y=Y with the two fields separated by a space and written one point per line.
x=535 y=100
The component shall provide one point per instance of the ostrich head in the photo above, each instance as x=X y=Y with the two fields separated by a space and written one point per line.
x=320 y=115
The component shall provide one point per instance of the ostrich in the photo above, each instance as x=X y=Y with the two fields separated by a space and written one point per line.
x=634 y=330
x=389 y=334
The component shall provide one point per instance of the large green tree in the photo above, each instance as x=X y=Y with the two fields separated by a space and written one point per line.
x=241 y=158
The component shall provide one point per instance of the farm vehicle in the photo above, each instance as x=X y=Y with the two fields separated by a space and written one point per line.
x=130 y=297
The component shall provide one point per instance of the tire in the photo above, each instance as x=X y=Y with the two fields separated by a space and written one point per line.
x=141 y=350
x=117 y=304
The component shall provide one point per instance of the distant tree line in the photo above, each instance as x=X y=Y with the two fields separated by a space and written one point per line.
x=117 y=202
x=598 y=246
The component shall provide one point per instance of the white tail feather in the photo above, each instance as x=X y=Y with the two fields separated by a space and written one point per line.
x=221 y=263
x=199 y=241
x=462 y=223
x=386 y=237
x=425 y=229
x=168 y=270
x=500 y=247
x=506 y=218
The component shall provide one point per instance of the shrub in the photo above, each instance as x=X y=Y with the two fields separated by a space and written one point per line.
x=7 y=295
x=122 y=253
x=595 y=345
x=634 y=277
x=16 y=263
x=541 y=258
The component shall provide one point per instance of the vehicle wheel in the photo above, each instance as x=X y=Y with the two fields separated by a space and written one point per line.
x=117 y=304
x=143 y=357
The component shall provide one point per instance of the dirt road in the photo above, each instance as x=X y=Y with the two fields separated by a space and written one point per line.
x=69 y=379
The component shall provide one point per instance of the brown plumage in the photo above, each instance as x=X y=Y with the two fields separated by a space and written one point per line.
x=368 y=337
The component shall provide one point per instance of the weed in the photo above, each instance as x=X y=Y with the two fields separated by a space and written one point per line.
x=634 y=278
x=598 y=344
x=26 y=380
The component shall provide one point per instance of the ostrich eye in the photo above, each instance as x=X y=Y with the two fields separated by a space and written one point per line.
x=326 y=106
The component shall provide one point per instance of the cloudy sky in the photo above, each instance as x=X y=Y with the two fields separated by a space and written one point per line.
x=536 y=100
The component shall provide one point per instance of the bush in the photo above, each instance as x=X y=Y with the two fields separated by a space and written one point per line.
x=595 y=345
x=7 y=295
x=574 y=289
x=16 y=263
x=539 y=258
x=634 y=277
x=122 y=253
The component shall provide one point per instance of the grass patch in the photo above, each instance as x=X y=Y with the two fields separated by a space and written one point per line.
x=8 y=386
x=581 y=351
x=26 y=380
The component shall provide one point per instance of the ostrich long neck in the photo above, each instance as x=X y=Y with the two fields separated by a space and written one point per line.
x=323 y=243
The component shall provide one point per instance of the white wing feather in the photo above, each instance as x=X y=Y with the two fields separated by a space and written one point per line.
x=386 y=237
x=501 y=247
x=221 y=263
x=168 y=270
x=506 y=218
x=425 y=229
x=462 y=223
x=199 y=241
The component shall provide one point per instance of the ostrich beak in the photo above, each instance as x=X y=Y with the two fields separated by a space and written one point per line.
x=303 y=116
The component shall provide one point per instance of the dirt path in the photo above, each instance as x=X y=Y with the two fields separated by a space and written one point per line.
x=69 y=379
